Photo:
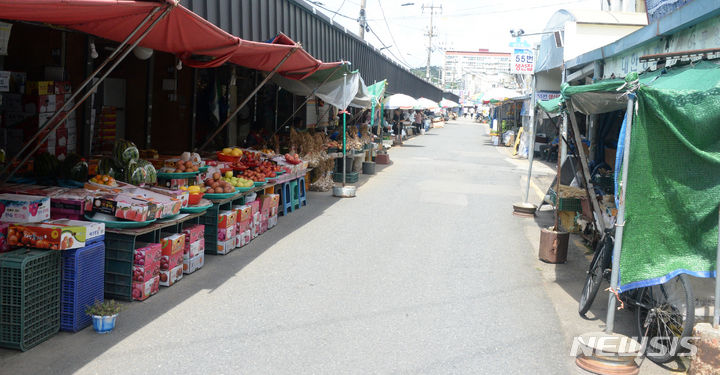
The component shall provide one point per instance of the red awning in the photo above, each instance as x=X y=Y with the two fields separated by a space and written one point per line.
x=182 y=32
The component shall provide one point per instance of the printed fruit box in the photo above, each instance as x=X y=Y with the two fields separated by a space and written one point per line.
x=168 y=262
x=225 y=247
x=18 y=208
x=193 y=264
x=168 y=278
x=147 y=254
x=194 y=233
x=141 y=291
x=193 y=249
x=121 y=206
x=181 y=195
x=227 y=219
x=243 y=212
x=145 y=273
x=47 y=236
x=173 y=244
x=166 y=206
x=92 y=230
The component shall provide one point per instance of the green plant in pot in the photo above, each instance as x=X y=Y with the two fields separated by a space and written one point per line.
x=104 y=315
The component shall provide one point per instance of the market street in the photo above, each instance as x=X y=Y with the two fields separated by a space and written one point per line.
x=425 y=271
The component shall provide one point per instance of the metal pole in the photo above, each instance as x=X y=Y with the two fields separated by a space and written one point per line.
x=344 y=130
x=716 y=313
x=81 y=87
x=89 y=92
x=531 y=134
x=620 y=224
x=249 y=97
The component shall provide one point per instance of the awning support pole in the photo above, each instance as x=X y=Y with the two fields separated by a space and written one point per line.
x=87 y=94
x=531 y=135
x=248 y=98
x=620 y=223
x=307 y=99
x=586 y=170
x=78 y=91
x=716 y=313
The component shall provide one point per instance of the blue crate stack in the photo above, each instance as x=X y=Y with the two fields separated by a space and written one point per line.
x=83 y=278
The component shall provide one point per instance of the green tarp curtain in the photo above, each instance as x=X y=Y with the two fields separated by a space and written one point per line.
x=673 y=187
x=550 y=106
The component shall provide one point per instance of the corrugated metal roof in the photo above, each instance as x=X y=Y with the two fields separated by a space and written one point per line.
x=261 y=20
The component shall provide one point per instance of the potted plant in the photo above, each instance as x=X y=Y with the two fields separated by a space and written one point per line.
x=104 y=314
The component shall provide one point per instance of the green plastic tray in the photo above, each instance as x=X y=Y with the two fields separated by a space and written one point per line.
x=171 y=176
x=279 y=173
x=121 y=224
x=244 y=189
x=219 y=195
x=260 y=183
x=195 y=209
x=203 y=169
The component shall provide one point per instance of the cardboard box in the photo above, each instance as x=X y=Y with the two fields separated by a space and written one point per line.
x=243 y=212
x=3 y=237
x=255 y=207
x=11 y=102
x=4 y=81
x=18 y=81
x=47 y=236
x=141 y=291
x=62 y=87
x=194 y=264
x=147 y=254
x=244 y=238
x=226 y=219
x=39 y=88
x=226 y=246
x=272 y=221
x=264 y=203
x=193 y=249
x=142 y=274
x=169 y=278
x=182 y=196
x=194 y=233
x=164 y=206
x=18 y=208
x=225 y=234
x=273 y=211
x=92 y=230
x=120 y=205
x=173 y=244
x=168 y=262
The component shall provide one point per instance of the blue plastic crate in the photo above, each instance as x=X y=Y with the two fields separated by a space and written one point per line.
x=83 y=278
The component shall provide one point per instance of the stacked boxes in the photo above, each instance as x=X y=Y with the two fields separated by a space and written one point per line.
x=226 y=231
x=244 y=224
x=27 y=106
x=171 y=261
x=269 y=204
x=194 y=251
x=104 y=137
x=255 y=219
x=146 y=271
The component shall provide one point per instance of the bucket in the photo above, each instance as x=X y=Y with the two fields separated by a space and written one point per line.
x=104 y=324
x=368 y=167
x=553 y=246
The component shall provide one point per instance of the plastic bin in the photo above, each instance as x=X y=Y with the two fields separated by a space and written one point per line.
x=350 y=177
x=83 y=278
x=29 y=297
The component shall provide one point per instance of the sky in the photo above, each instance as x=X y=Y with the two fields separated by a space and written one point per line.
x=466 y=25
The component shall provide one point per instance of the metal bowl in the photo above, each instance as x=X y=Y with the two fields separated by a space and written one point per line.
x=344 y=191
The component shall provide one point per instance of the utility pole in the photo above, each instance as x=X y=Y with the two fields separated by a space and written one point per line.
x=362 y=20
x=430 y=34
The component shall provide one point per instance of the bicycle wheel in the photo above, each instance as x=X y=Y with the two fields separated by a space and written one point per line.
x=598 y=265
x=667 y=313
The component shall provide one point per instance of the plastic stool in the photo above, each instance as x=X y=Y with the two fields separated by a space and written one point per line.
x=302 y=193
x=294 y=195
x=285 y=204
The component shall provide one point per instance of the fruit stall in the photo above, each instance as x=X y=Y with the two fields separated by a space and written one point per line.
x=129 y=227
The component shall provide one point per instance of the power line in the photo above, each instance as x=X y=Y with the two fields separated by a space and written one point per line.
x=487 y=12
x=334 y=12
x=338 y=10
x=388 y=50
x=392 y=37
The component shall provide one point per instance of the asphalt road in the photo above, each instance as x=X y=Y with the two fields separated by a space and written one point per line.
x=425 y=271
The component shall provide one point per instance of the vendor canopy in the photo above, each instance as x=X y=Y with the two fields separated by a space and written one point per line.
x=181 y=32
x=447 y=103
x=673 y=186
x=339 y=87
x=400 y=101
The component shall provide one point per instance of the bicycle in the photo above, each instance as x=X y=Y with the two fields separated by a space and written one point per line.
x=663 y=312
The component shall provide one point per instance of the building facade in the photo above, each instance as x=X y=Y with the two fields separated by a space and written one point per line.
x=469 y=72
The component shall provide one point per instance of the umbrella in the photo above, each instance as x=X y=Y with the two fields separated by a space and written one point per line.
x=425 y=103
x=400 y=101
x=499 y=94
x=446 y=103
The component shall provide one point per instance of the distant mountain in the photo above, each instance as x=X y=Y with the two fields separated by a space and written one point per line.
x=435 y=73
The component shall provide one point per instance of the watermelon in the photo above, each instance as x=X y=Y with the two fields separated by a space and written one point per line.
x=79 y=171
x=106 y=166
x=125 y=152
x=134 y=174
x=45 y=165
x=150 y=172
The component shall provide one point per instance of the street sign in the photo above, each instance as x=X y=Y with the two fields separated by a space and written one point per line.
x=522 y=59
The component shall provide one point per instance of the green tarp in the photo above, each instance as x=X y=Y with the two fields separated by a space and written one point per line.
x=377 y=91
x=550 y=106
x=673 y=187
